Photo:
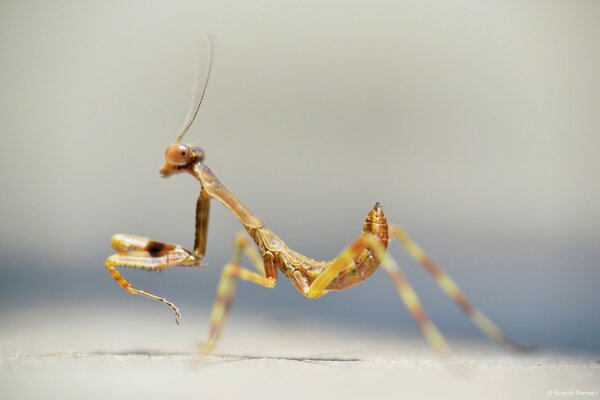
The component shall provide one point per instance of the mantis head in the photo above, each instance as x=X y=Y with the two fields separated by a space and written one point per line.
x=179 y=158
x=182 y=157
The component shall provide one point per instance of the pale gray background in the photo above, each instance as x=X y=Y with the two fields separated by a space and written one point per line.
x=474 y=123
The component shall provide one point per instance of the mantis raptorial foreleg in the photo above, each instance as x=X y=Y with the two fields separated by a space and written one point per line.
x=143 y=253
x=202 y=214
x=266 y=277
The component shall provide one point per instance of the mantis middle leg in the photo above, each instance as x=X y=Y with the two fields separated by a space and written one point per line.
x=266 y=277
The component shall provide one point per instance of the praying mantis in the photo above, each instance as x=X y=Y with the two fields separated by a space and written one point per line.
x=312 y=278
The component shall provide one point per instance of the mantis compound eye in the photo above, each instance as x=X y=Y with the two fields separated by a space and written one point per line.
x=178 y=154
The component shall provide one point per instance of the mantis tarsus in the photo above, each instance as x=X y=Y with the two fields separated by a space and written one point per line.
x=312 y=278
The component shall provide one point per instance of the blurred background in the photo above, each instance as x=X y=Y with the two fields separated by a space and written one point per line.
x=476 y=124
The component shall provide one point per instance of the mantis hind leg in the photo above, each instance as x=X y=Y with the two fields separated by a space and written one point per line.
x=233 y=271
x=142 y=253
x=406 y=292
x=451 y=289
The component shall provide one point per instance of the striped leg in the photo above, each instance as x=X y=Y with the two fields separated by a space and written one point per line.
x=227 y=284
x=452 y=290
x=405 y=290
x=143 y=253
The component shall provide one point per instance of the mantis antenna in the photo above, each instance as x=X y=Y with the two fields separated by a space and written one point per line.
x=198 y=100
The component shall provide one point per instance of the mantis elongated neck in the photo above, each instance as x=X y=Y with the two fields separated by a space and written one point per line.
x=217 y=190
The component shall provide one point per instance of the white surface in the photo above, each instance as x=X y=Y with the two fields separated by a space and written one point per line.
x=77 y=352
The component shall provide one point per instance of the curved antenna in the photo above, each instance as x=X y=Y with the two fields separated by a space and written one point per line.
x=195 y=108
